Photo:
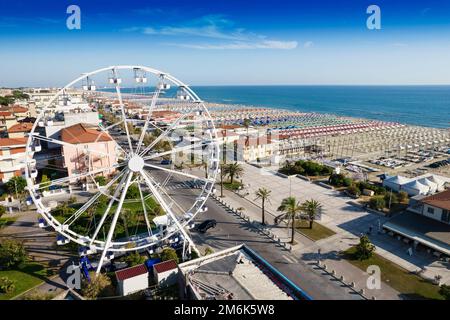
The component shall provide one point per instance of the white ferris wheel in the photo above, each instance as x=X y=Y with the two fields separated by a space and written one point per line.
x=137 y=151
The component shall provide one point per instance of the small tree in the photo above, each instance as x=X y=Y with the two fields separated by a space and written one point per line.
x=92 y=289
x=444 y=291
x=16 y=185
x=233 y=170
x=12 y=253
x=354 y=190
x=133 y=192
x=7 y=285
x=364 y=249
x=208 y=250
x=101 y=180
x=45 y=182
x=169 y=254
x=377 y=202
x=2 y=211
x=402 y=196
x=134 y=259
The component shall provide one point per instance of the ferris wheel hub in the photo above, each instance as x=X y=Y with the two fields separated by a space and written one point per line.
x=136 y=163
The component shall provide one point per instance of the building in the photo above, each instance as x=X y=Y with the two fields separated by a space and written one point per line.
x=131 y=280
x=7 y=120
x=426 y=222
x=12 y=158
x=165 y=273
x=422 y=185
x=90 y=149
x=236 y=273
x=20 y=130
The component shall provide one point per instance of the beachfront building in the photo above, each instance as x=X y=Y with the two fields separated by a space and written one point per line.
x=426 y=222
x=90 y=149
x=12 y=158
x=236 y=273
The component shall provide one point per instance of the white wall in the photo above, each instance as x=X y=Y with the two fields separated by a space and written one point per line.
x=134 y=284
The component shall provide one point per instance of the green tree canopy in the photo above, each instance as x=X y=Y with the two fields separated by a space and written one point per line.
x=169 y=254
x=12 y=253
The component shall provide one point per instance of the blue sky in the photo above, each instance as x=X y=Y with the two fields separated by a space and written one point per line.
x=229 y=42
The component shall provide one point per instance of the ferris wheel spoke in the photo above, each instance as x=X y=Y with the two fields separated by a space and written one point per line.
x=110 y=204
x=114 y=221
x=177 y=172
x=119 y=97
x=105 y=130
x=75 y=177
x=160 y=187
x=177 y=149
x=150 y=109
x=166 y=208
x=164 y=134
x=144 y=208
x=86 y=206
x=62 y=143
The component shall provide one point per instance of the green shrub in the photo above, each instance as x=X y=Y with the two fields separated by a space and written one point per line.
x=402 y=196
x=364 y=249
x=7 y=285
x=169 y=254
x=377 y=202
x=354 y=190
x=12 y=253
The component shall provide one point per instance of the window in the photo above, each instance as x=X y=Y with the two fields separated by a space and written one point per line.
x=445 y=216
x=430 y=210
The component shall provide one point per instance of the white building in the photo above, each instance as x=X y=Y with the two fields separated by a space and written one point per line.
x=166 y=273
x=133 y=279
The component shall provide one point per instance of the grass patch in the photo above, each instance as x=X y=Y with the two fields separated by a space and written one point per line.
x=408 y=284
x=317 y=232
x=7 y=221
x=25 y=277
x=232 y=186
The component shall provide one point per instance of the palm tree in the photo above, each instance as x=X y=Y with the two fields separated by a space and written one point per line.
x=291 y=208
x=263 y=194
x=247 y=123
x=232 y=170
x=311 y=208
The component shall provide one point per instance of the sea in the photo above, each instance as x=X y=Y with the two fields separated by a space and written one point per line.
x=415 y=105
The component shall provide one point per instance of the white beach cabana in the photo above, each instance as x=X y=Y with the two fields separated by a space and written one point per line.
x=395 y=183
x=438 y=181
x=433 y=186
x=414 y=188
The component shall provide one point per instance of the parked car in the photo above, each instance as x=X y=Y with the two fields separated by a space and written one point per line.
x=206 y=225
x=165 y=161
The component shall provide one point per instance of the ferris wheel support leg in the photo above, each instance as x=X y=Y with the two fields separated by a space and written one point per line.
x=114 y=222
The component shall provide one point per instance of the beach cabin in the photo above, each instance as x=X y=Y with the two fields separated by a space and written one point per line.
x=131 y=280
x=414 y=188
x=395 y=183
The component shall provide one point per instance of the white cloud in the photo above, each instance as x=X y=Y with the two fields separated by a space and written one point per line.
x=219 y=28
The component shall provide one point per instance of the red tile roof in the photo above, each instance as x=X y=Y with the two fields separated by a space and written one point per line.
x=165 y=266
x=5 y=114
x=439 y=200
x=83 y=133
x=7 y=142
x=131 y=272
x=21 y=127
